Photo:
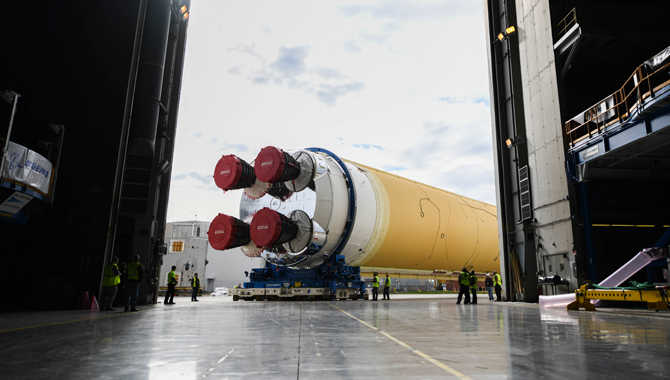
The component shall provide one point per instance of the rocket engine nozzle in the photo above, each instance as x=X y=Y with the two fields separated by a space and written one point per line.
x=270 y=228
x=232 y=172
x=274 y=165
x=227 y=232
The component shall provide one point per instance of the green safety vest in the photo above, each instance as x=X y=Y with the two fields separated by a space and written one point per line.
x=497 y=280
x=109 y=278
x=464 y=278
x=473 y=278
x=388 y=281
x=193 y=281
x=171 y=280
x=375 y=282
x=133 y=273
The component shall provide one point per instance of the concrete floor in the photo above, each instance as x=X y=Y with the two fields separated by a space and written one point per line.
x=419 y=337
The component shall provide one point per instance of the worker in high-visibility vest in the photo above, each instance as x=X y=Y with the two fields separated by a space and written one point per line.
x=110 y=278
x=473 y=287
x=464 y=283
x=135 y=276
x=497 y=284
x=171 y=283
x=195 y=284
x=375 y=287
x=387 y=287
x=489 y=286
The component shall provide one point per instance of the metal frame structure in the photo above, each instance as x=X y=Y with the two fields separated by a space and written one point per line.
x=516 y=233
x=655 y=299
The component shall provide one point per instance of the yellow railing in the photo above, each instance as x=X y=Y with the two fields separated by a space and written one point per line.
x=618 y=106
x=597 y=19
x=568 y=21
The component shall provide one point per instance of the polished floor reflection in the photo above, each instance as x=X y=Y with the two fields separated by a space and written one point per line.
x=418 y=338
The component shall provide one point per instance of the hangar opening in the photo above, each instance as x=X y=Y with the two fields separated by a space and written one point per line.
x=579 y=107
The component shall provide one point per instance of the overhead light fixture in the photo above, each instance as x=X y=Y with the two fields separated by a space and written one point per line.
x=182 y=12
x=164 y=166
x=508 y=32
x=516 y=140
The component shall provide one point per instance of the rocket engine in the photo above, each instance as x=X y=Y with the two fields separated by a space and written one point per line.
x=302 y=207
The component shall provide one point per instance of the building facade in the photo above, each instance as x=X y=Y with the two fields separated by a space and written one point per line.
x=189 y=250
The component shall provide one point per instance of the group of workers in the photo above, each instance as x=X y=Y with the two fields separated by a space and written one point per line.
x=468 y=283
x=172 y=284
x=375 y=287
x=135 y=273
x=128 y=281
x=112 y=282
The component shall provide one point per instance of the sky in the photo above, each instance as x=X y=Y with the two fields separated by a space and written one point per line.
x=397 y=85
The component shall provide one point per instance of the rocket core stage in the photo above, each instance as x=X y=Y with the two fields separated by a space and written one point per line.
x=300 y=207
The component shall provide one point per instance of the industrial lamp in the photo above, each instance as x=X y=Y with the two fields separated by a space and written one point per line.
x=164 y=166
x=182 y=12
x=516 y=140
x=508 y=32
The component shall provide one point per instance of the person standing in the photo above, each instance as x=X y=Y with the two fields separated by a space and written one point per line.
x=387 y=287
x=473 y=287
x=375 y=287
x=195 y=284
x=110 y=278
x=497 y=283
x=489 y=286
x=464 y=283
x=120 y=299
x=135 y=276
x=171 y=283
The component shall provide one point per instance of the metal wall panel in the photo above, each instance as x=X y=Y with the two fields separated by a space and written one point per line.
x=545 y=136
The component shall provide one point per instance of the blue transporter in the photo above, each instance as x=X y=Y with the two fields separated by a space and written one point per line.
x=331 y=280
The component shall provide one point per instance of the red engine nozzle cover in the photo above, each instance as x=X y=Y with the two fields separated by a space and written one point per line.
x=265 y=227
x=227 y=232
x=274 y=165
x=270 y=228
x=233 y=173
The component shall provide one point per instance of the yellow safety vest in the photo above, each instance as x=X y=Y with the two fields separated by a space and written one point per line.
x=171 y=280
x=375 y=282
x=388 y=281
x=464 y=278
x=193 y=282
x=133 y=273
x=109 y=278
x=473 y=278
x=497 y=280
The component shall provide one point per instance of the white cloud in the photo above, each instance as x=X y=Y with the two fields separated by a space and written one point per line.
x=397 y=85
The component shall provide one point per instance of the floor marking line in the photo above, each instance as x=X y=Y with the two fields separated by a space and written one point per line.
x=414 y=350
x=75 y=320
x=217 y=363
x=224 y=358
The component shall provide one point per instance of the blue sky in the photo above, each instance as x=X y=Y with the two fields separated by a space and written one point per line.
x=397 y=85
